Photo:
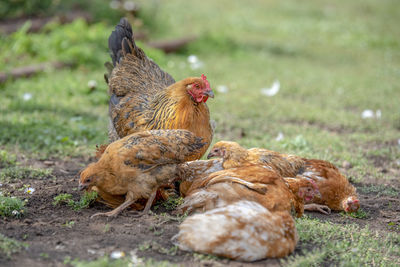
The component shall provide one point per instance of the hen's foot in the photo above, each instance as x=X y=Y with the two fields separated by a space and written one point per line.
x=316 y=207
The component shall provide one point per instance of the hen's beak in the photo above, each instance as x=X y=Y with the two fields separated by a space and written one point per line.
x=209 y=93
x=82 y=186
x=210 y=155
x=318 y=194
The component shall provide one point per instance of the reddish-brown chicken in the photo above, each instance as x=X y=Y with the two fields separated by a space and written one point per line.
x=243 y=230
x=144 y=97
x=336 y=191
x=134 y=167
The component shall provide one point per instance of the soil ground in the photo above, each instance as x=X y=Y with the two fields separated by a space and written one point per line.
x=53 y=240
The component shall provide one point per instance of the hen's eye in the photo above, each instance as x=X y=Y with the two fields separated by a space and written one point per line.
x=197 y=86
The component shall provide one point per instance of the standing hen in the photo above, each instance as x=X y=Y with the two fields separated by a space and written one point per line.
x=336 y=191
x=144 y=97
x=134 y=167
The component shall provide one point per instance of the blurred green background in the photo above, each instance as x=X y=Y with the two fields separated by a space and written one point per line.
x=332 y=60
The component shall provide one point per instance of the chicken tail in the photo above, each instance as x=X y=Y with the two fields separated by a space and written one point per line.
x=121 y=42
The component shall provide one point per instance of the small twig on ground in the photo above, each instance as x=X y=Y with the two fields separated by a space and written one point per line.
x=31 y=70
x=9 y=26
x=171 y=45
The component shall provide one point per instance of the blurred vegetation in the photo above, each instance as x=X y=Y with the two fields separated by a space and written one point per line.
x=333 y=61
x=100 y=9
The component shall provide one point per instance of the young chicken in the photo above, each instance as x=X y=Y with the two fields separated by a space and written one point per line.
x=243 y=230
x=195 y=171
x=253 y=183
x=144 y=97
x=137 y=165
x=336 y=191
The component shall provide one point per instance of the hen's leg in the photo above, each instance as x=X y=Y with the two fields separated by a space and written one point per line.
x=149 y=203
x=129 y=200
x=316 y=207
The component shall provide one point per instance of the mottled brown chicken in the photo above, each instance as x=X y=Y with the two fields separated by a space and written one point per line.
x=144 y=97
x=243 y=230
x=336 y=191
x=134 y=167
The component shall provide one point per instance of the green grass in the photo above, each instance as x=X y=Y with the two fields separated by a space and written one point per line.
x=10 y=246
x=359 y=214
x=123 y=262
x=171 y=203
x=11 y=207
x=344 y=245
x=86 y=199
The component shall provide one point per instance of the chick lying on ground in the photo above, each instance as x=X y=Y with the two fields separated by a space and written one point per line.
x=336 y=191
x=135 y=166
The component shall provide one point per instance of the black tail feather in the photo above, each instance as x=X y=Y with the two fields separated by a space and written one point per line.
x=121 y=36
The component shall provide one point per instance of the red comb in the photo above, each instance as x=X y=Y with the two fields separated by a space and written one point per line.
x=204 y=77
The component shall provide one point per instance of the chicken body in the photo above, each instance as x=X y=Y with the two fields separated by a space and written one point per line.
x=336 y=191
x=144 y=97
x=243 y=230
x=253 y=183
x=135 y=166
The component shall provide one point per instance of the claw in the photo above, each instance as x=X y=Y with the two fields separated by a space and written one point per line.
x=324 y=210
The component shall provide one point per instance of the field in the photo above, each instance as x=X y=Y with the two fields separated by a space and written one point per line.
x=335 y=62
